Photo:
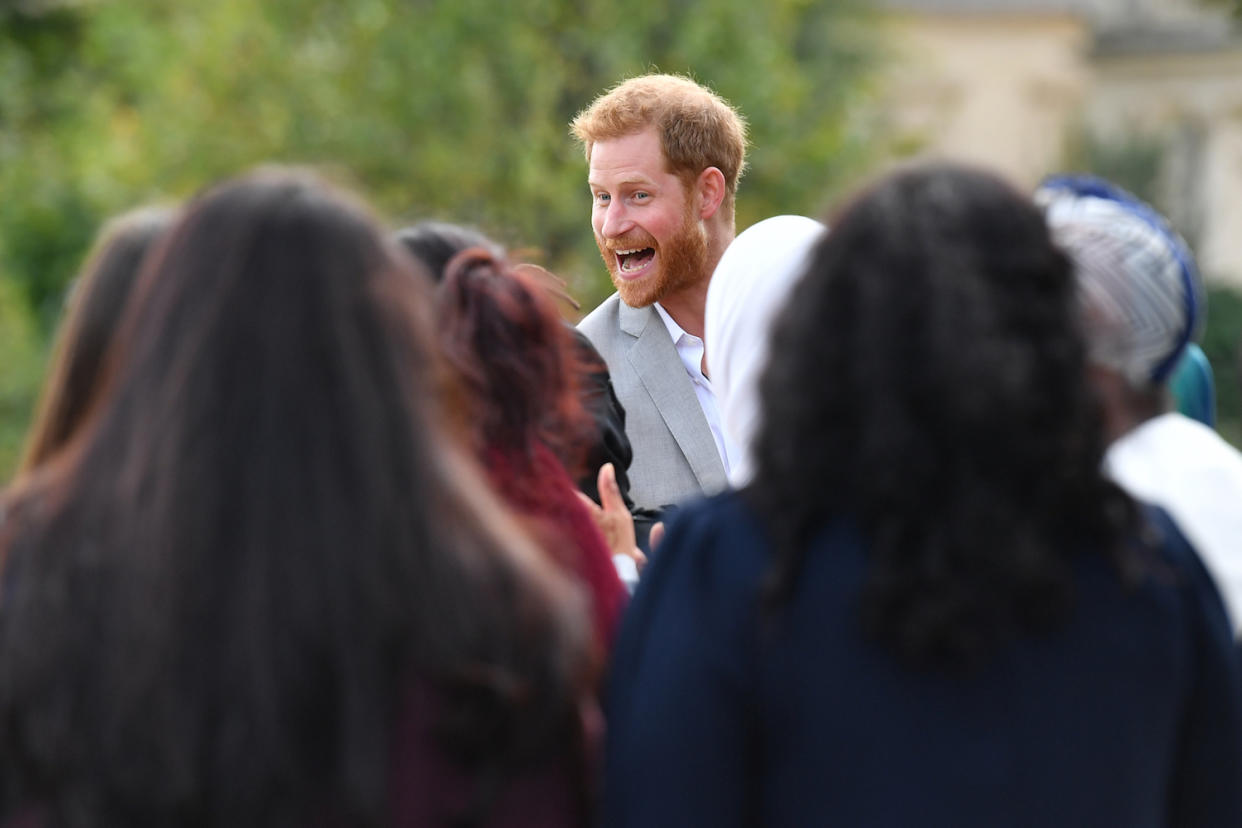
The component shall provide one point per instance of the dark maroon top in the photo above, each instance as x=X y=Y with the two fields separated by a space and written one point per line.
x=541 y=491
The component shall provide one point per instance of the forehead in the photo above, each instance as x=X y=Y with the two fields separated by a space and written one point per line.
x=636 y=157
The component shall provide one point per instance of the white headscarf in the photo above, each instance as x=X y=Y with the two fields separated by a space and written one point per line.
x=749 y=287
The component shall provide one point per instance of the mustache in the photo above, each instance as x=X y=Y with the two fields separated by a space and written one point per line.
x=634 y=241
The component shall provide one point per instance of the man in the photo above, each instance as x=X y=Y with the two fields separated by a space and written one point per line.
x=665 y=156
x=1141 y=302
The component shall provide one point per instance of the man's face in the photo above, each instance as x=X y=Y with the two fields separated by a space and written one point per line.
x=646 y=225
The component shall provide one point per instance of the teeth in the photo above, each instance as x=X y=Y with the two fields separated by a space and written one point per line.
x=628 y=252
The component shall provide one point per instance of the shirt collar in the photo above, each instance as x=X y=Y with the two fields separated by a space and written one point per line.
x=688 y=346
x=674 y=330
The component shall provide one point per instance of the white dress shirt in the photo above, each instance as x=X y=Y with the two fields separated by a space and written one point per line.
x=690 y=349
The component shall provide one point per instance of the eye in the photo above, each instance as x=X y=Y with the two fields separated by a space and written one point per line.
x=602 y=198
x=642 y=196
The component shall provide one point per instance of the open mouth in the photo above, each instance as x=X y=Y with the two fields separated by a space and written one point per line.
x=630 y=263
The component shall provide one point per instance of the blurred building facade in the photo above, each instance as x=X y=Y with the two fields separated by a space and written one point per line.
x=1149 y=91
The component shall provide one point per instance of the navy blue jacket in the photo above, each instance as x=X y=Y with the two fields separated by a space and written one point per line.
x=1129 y=715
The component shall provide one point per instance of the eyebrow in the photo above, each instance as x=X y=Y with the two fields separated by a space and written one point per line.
x=635 y=180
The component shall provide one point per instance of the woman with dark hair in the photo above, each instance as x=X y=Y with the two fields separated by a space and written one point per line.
x=515 y=361
x=435 y=243
x=602 y=440
x=263 y=589
x=96 y=300
x=929 y=607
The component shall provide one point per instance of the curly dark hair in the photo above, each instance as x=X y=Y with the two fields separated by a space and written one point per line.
x=929 y=384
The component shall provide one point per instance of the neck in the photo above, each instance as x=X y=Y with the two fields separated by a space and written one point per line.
x=687 y=305
x=1124 y=408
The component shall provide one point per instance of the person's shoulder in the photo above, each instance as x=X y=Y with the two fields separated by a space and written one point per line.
x=1160 y=532
x=1197 y=435
x=1174 y=553
x=1176 y=433
x=1174 y=458
x=602 y=320
x=727 y=507
x=704 y=580
x=717 y=538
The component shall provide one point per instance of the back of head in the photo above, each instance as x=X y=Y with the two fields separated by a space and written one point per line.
x=261 y=538
x=697 y=128
x=748 y=288
x=97 y=300
x=515 y=357
x=930 y=387
x=1140 y=294
x=435 y=243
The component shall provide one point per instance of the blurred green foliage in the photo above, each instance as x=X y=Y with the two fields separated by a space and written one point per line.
x=21 y=364
x=1135 y=162
x=457 y=109
x=1221 y=343
x=454 y=109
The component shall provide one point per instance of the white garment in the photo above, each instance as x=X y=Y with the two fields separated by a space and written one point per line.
x=690 y=350
x=749 y=287
x=1186 y=468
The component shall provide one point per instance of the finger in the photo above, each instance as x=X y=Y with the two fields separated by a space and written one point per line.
x=657 y=536
x=591 y=505
x=609 y=492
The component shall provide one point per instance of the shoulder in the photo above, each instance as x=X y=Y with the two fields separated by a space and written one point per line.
x=1174 y=438
x=697 y=604
x=711 y=561
x=603 y=321
x=726 y=521
x=1176 y=462
x=1177 y=573
x=1159 y=534
x=615 y=323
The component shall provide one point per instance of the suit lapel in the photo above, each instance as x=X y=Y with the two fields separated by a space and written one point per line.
x=655 y=360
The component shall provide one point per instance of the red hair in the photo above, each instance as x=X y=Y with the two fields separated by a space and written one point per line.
x=518 y=366
x=515 y=358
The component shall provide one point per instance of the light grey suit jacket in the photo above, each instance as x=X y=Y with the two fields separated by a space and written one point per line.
x=675 y=455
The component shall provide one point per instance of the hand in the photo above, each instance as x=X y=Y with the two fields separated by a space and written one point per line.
x=613 y=519
x=657 y=536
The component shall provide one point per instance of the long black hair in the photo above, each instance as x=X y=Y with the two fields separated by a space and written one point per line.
x=928 y=382
x=96 y=302
x=215 y=606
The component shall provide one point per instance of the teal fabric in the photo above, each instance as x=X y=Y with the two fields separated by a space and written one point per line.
x=1193 y=386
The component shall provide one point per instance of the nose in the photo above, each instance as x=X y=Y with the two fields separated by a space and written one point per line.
x=615 y=221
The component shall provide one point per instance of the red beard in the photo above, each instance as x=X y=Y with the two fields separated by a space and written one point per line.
x=680 y=263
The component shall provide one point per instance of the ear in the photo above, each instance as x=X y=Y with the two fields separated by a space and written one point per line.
x=710 y=190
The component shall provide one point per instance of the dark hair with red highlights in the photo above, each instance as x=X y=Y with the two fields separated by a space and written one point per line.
x=515 y=357
x=223 y=607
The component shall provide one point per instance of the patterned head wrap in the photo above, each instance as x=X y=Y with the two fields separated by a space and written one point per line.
x=1141 y=296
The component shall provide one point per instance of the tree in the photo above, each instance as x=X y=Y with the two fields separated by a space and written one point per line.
x=21 y=363
x=457 y=108
x=454 y=109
